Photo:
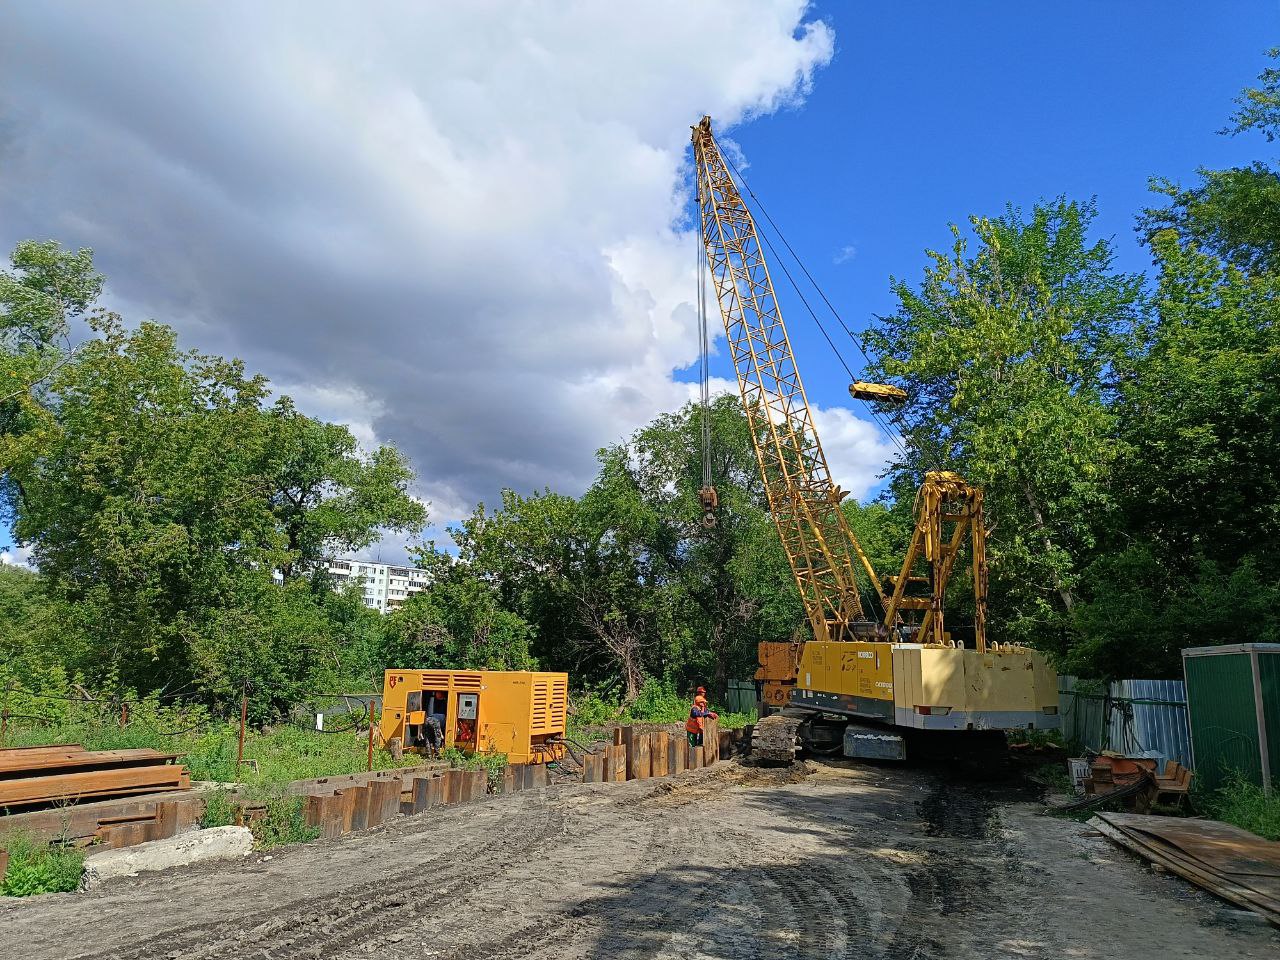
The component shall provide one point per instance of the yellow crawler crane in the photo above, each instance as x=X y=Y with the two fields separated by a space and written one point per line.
x=519 y=713
x=860 y=682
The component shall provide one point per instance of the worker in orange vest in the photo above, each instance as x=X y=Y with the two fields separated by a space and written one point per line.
x=699 y=710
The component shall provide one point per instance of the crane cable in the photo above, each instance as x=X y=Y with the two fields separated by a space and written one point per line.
x=708 y=498
x=882 y=422
x=704 y=357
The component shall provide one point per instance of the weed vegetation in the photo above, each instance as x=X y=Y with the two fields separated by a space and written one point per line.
x=1246 y=805
x=36 y=867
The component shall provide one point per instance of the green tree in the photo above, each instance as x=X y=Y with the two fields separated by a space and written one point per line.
x=456 y=623
x=1234 y=213
x=327 y=495
x=1188 y=563
x=1006 y=354
x=161 y=491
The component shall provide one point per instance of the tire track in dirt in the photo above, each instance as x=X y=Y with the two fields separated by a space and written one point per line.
x=312 y=927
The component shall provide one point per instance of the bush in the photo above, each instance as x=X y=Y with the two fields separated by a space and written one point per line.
x=1246 y=805
x=657 y=702
x=40 y=868
x=593 y=710
x=492 y=763
x=219 y=809
x=284 y=823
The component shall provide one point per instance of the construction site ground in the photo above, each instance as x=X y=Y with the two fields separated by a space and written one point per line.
x=815 y=861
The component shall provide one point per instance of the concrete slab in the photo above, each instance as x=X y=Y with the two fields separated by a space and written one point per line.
x=197 y=846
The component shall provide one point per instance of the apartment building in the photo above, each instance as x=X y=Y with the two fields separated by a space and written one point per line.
x=385 y=586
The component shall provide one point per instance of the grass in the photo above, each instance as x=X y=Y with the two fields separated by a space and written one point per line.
x=1246 y=805
x=36 y=867
x=656 y=703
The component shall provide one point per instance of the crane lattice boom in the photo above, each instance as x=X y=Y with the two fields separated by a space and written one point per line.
x=803 y=500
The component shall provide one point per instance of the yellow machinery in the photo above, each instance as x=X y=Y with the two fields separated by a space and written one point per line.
x=518 y=713
x=904 y=669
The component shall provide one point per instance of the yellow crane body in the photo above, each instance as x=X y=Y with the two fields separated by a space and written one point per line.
x=518 y=713
x=907 y=668
x=928 y=687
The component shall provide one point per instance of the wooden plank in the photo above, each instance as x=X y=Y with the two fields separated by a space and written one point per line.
x=478 y=786
x=348 y=806
x=384 y=801
x=327 y=785
x=453 y=786
x=334 y=818
x=639 y=757
x=420 y=790
x=519 y=776
x=710 y=741
x=593 y=768
x=693 y=756
x=4 y=862
x=617 y=737
x=539 y=776
x=92 y=783
x=359 y=807
x=615 y=764
x=659 y=748
x=49 y=763
x=166 y=820
x=628 y=736
x=1192 y=870
x=678 y=756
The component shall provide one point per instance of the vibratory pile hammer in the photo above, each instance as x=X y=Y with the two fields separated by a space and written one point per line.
x=863 y=682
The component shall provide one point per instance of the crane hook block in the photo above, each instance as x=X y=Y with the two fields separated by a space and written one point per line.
x=877 y=392
x=710 y=501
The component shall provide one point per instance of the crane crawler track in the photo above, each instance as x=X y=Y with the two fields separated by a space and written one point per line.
x=775 y=739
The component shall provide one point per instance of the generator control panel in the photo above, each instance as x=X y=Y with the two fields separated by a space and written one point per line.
x=467 y=705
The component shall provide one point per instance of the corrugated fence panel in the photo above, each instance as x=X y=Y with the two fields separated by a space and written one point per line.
x=741 y=696
x=1150 y=716
x=1082 y=716
x=1133 y=716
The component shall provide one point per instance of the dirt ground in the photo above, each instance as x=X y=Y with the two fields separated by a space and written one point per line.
x=815 y=862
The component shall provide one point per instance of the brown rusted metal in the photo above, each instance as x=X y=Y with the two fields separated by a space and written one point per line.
x=244 y=718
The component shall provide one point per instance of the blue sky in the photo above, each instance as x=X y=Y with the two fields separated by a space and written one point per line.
x=271 y=211
x=931 y=112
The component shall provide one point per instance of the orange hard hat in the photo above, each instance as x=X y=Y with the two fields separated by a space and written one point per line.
x=702 y=690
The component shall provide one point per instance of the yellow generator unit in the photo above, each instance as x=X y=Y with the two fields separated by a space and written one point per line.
x=519 y=713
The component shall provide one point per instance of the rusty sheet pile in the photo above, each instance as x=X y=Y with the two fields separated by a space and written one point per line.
x=66 y=773
x=1234 y=864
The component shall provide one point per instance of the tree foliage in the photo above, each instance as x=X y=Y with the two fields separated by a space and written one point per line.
x=1006 y=355
x=161 y=490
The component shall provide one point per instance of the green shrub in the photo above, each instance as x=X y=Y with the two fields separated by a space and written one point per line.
x=219 y=809
x=284 y=822
x=492 y=763
x=40 y=868
x=657 y=702
x=1247 y=806
x=593 y=710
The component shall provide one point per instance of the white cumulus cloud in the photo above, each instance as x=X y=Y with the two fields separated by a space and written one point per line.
x=460 y=228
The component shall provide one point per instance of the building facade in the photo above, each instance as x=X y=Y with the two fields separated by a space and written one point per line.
x=385 y=586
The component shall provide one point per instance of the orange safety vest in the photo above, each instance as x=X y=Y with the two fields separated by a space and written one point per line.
x=694 y=724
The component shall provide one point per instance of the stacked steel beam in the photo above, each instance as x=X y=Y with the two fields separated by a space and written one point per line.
x=31 y=776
